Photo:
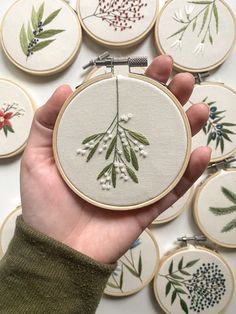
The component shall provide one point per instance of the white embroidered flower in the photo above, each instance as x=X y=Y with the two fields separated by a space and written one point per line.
x=189 y=8
x=199 y=49
x=178 y=16
x=177 y=44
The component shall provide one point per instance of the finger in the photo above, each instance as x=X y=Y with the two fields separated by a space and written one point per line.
x=160 y=69
x=45 y=118
x=182 y=86
x=198 y=115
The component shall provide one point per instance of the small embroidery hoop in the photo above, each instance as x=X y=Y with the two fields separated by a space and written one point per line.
x=113 y=207
x=119 y=295
x=20 y=149
x=208 y=83
x=179 y=67
x=188 y=247
x=176 y=215
x=3 y=225
x=195 y=207
x=53 y=71
x=119 y=45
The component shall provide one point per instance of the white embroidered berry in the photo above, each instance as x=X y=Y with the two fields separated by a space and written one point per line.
x=104 y=147
x=136 y=148
x=100 y=151
x=102 y=181
x=130 y=115
x=104 y=186
x=79 y=151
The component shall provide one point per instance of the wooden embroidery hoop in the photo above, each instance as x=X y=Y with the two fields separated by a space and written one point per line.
x=179 y=67
x=173 y=253
x=130 y=207
x=131 y=292
x=195 y=207
x=112 y=44
x=53 y=71
x=20 y=149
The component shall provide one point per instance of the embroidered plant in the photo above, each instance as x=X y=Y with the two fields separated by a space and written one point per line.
x=202 y=289
x=35 y=36
x=219 y=211
x=120 y=145
x=200 y=17
x=119 y=14
x=7 y=113
x=216 y=128
x=127 y=261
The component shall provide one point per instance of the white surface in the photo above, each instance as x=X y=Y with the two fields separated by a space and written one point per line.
x=41 y=89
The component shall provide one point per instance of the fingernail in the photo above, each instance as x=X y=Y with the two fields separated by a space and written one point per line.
x=170 y=58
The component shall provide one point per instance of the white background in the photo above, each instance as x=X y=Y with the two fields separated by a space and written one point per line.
x=41 y=89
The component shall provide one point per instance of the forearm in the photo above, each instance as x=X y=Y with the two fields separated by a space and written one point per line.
x=40 y=275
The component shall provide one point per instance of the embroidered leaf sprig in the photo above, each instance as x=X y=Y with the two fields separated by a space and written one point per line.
x=219 y=211
x=32 y=37
x=121 y=147
x=9 y=111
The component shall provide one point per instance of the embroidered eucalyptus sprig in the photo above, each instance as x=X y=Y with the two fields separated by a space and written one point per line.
x=204 y=288
x=120 y=145
x=8 y=112
x=217 y=129
x=220 y=211
x=35 y=37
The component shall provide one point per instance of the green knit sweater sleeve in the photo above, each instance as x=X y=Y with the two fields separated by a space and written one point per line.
x=41 y=275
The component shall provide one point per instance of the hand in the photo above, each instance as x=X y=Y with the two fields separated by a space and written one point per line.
x=50 y=207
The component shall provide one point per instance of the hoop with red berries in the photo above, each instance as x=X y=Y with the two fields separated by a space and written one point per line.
x=199 y=35
x=119 y=23
x=16 y=116
x=116 y=139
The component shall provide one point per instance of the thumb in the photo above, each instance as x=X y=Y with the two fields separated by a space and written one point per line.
x=45 y=119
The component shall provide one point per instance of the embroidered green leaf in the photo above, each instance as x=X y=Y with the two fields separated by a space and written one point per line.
x=111 y=147
x=209 y=139
x=229 y=194
x=90 y=138
x=205 y=16
x=30 y=33
x=168 y=287
x=139 y=137
x=42 y=45
x=5 y=130
x=140 y=264
x=173 y=297
x=184 y=272
x=216 y=15
x=121 y=279
x=176 y=283
x=181 y=291
x=180 y=265
x=230 y=226
x=132 y=174
x=217 y=142
x=40 y=13
x=194 y=25
x=200 y=2
x=131 y=270
x=49 y=33
x=219 y=211
x=9 y=128
x=227 y=131
x=126 y=153
x=176 y=277
x=225 y=136
x=23 y=40
x=101 y=174
x=112 y=285
x=92 y=152
x=113 y=176
x=34 y=19
x=222 y=145
x=228 y=124
x=184 y=306
x=181 y=30
x=171 y=267
x=51 y=17
x=192 y=263
x=134 y=159
x=210 y=39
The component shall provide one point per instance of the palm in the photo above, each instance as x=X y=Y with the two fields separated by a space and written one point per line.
x=51 y=207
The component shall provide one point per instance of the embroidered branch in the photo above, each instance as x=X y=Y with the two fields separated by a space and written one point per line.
x=35 y=37
x=8 y=112
x=119 y=14
x=121 y=145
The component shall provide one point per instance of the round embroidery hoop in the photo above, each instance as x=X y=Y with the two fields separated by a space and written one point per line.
x=7 y=229
x=49 y=25
x=136 y=268
x=221 y=100
x=16 y=115
x=210 y=52
x=123 y=195
x=200 y=261
x=175 y=210
x=212 y=208
x=113 y=34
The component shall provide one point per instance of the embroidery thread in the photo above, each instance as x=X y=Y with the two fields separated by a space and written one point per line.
x=125 y=144
x=219 y=211
x=32 y=39
x=7 y=113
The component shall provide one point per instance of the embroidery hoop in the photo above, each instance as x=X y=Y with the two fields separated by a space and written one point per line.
x=123 y=207
x=21 y=148
x=195 y=207
x=146 y=283
x=166 y=258
x=180 y=67
x=180 y=211
x=112 y=44
x=54 y=70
